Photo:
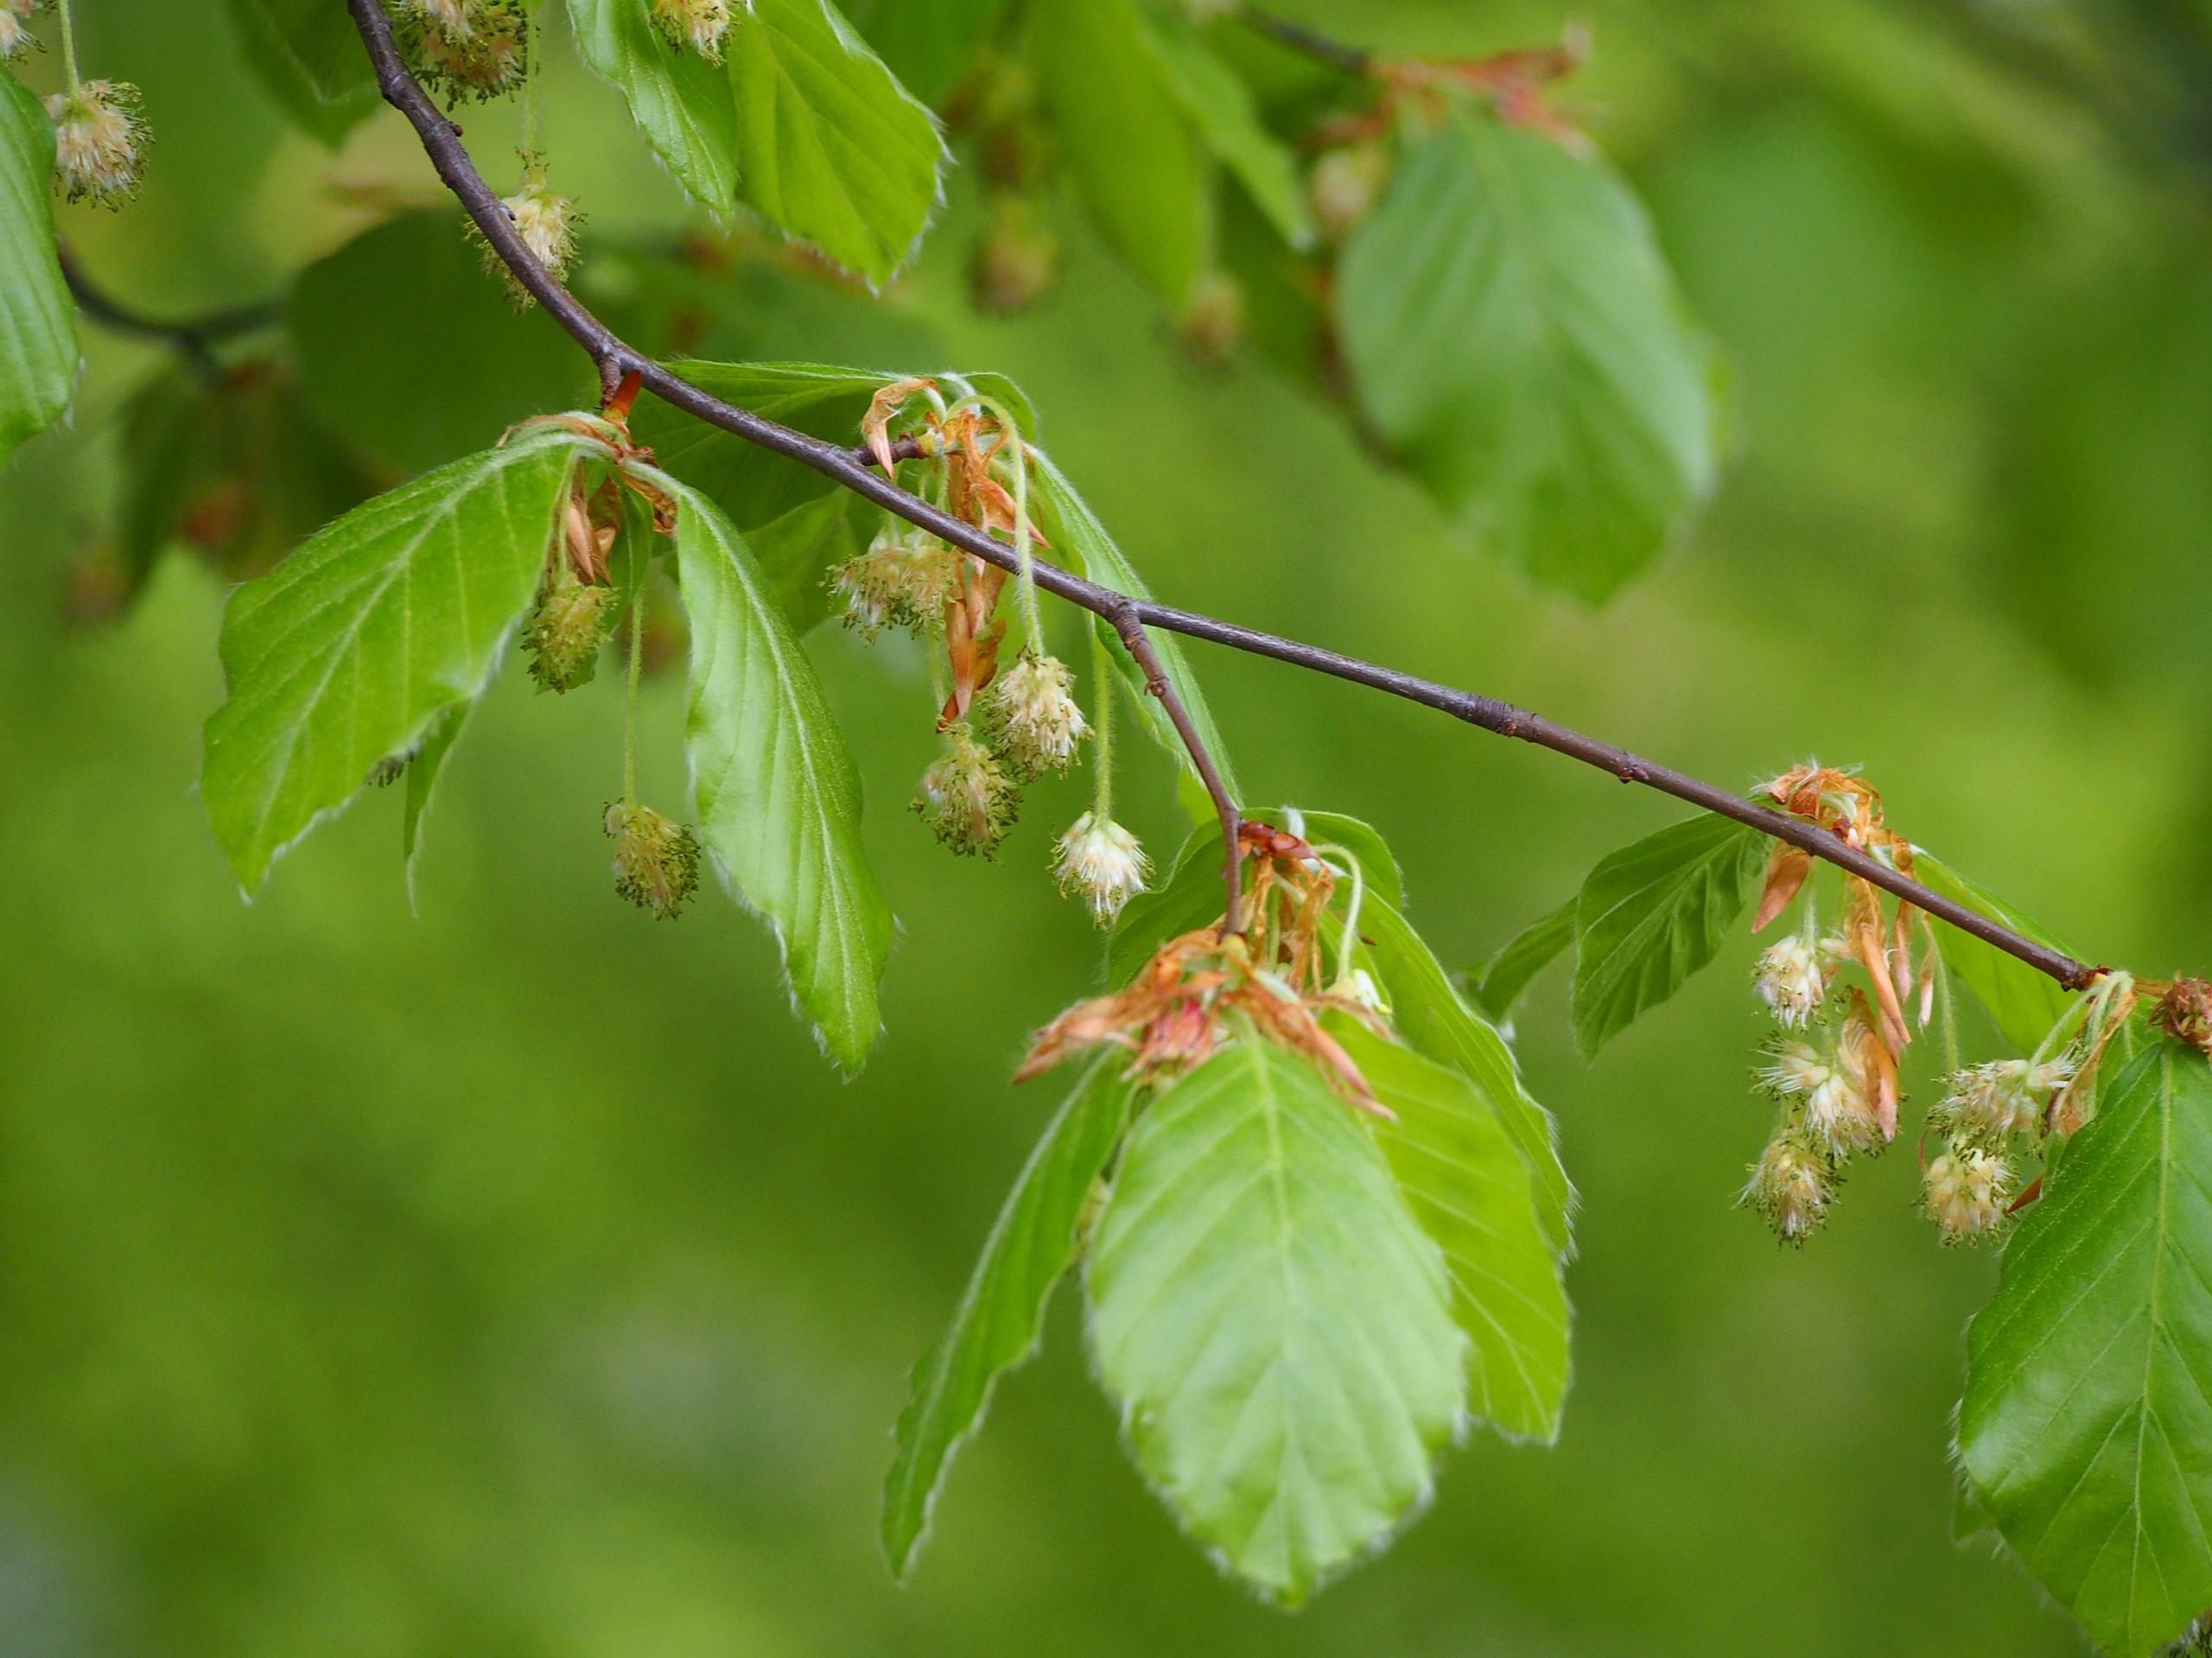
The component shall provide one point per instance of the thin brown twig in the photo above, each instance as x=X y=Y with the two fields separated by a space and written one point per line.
x=616 y=359
x=194 y=337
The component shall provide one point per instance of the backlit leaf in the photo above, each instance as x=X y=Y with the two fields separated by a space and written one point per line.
x=777 y=794
x=1469 y=1187
x=1499 y=983
x=1227 y=119
x=680 y=101
x=2087 y=1425
x=38 y=322
x=1002 y=1312
x=1515 y=338
x=2022 y=1002
x=1652 y=914
x=1273 y=1322
x=345 y=654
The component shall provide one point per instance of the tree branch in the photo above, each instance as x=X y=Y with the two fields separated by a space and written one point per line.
x=194 y=337
x=1350 y=59
x=1128 y=616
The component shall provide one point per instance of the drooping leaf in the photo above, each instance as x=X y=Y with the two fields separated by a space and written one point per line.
x=832 y=148
x=1429 y=1014
x=1122 y=137
x=777 y=794
x=1469 y=1187
x=1226 y=118
x=1080 y=540
x=1499 y=983
x=1002 y=1312
x=345 y=654
x=2087 y=1425
x=1516 y=340
x=2023 y=1003
x=1273 y=1322
x=680 y=101
x=38 y=323
x=927 y=47
x=406 y=345
x=1653 y=913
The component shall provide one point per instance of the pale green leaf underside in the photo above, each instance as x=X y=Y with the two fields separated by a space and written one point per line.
x=1122 y=137
x=421 y=778
x=996 y=1325
x=1430 y=1016
x=2023 y=1003
x=1469 y=1187
x=1227 y=119
x=680 y=101
x=1653 y=913
x=345 y=653
x=1080 y=541
x=2087 y=1425
x=38 y=324
x=1516 y=338
x=1273 y=1322
x=830 y=147
x=777 y=794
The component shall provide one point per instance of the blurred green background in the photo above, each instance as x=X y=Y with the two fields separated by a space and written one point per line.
x=508 y=1275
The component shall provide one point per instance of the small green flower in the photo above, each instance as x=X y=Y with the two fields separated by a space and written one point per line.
x=656 y=861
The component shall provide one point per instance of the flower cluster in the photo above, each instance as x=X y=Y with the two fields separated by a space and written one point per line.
x=1838 y=1093
x=966 y=796
x=466 y=49
x=15 y=26
x=1967 y=1187
x=566 y=631
x=1101 y=863
x=1031 y=718
x=656 y=861
x=904 y=578
x=99 y=141
x=698 y=24
x=547 y=222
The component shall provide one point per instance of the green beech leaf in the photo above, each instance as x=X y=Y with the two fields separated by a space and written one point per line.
x=778 y=796
x=1080 y=540
x=830 y=147
x=345 y=654
x=1499 y=983
x=2087 y=1425
x=436 y=376
x=680 y=101
x=1515 y=338
x=1652 y=914
x=1430 y=1016
x=1002 y=1312
x=38 y=323
x=2023 y=1003
x=797 y=550
x=1122 y=137
x=1227 y=119
x=1469 y=1187
x=1273 y=1322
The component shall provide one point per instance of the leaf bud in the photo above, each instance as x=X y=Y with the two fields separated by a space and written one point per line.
x=1031 y=718
x=966 y=798
x=656 y=861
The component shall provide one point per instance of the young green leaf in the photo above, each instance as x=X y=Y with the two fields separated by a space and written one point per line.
x=38 y=324
x=830 y=147
x=797 y=550
x=1272 y=1320
x=2023 y=1003
x=1515 y=338
x=1080 y=540
x=778 y=796
x=680 y=100
x=1122 y=137
x=2087 y=1425
x=1227 y=117
x=927 y=47
x=1430 y=1016
x=1500 y=981
x=345 y=655
x=1002 y=1312
x=1469 y=1187
x=422 y=777
x=1653 y=913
